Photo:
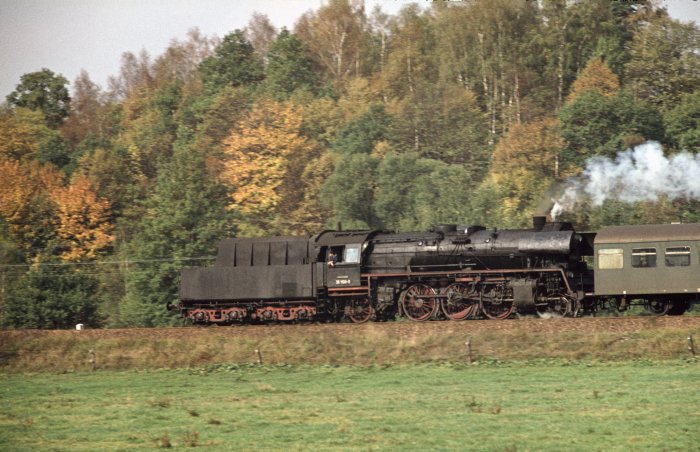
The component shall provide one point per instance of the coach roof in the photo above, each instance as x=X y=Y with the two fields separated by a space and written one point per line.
x=648 y=233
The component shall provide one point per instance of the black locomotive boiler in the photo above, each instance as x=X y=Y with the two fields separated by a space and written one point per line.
x=449 y=272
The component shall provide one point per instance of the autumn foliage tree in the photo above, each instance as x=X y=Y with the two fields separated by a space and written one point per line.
x=84 y=230
x=26 y=204
x=264 y=158
x=596 y=76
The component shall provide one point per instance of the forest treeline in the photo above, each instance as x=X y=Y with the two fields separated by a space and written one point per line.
x=452 y=112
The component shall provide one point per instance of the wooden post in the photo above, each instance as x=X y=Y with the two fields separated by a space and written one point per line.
x=259 y=354
x=469 y=350
x=93 y=359
x=691 y=345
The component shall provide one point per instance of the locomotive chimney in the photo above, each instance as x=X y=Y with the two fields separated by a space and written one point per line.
x=538 y=222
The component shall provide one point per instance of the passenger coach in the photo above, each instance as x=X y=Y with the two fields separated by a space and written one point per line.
x=658 y=265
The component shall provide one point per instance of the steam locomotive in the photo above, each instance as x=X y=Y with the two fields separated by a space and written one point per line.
x=449 y=272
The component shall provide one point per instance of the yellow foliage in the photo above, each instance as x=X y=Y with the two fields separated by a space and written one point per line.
x=20 y=186
x=21 y=131
x=84 y=226
x=265 y=156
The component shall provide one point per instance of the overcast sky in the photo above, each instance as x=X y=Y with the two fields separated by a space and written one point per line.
x=69 y=35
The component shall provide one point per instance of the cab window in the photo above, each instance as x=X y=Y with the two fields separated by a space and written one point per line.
x=677 y=256
x=609 y=259
x=643 y=257
x=352 y=254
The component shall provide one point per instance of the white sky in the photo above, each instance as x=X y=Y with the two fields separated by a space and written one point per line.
x=69 y=35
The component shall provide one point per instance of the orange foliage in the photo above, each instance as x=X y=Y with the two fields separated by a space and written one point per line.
x=532 y=147
x=84 y=228
x=595 y=76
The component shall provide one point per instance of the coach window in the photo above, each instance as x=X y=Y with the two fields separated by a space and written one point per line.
x=643 y=257
x=610 y=259
x=677 y=256
x=352 y=254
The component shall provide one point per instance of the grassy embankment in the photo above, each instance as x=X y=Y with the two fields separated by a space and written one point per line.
x=400 y=343
x=491 y=406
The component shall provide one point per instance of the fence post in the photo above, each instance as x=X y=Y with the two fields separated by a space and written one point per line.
x=469 y=350
x=93 y=359
x=691 y=345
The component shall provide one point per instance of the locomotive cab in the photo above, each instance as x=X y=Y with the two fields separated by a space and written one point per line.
x=339 y=259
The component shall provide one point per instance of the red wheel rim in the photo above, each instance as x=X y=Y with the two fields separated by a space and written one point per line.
x=460 y=303
x=419 y=302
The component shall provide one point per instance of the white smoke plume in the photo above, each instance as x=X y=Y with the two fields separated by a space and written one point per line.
x=639 y=174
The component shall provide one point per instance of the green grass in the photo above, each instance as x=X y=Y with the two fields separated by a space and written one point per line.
x=534 y=405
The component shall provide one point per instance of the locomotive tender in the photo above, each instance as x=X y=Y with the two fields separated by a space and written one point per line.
x=449 y=272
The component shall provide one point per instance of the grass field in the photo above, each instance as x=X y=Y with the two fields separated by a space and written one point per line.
x=532 y=405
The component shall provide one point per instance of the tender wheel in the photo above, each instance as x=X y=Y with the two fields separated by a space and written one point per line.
x=495 y=303
x=461 y=302
x=658 y=307
x=419 y=302
x=359 y=310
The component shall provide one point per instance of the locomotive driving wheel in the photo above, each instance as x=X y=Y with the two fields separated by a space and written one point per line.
x=359 y=310
x=495 y=303
x=419 y=302
x=461 y=302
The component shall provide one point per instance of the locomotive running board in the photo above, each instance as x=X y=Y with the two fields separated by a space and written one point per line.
x=468 y=275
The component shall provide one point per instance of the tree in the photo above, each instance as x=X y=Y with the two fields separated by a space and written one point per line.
x=135 y=73
x=664 y=61
x=26 y=204
x=364 y=132
x=683 y=123
x=525 y=164
x=260 y=32
x=597 y=125
x=91 y=114
x=22 y=132
x=43 y=91
x=185 y=218
x=180 y=60
x=149 y=127
x=395 y=195
x=289 y=67
x=596 y=76
x=534 y=147
x=113 y=177
x=234 y=63
x=336 y=37
x=265 y=156
x=52 y=296
x=84 y=230
x=349 y=191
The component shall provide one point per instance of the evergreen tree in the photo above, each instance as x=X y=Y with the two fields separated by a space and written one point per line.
x=234 y=63
x=186 y=217
x=349 y=192
x=52 y=295
x=289 y=67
